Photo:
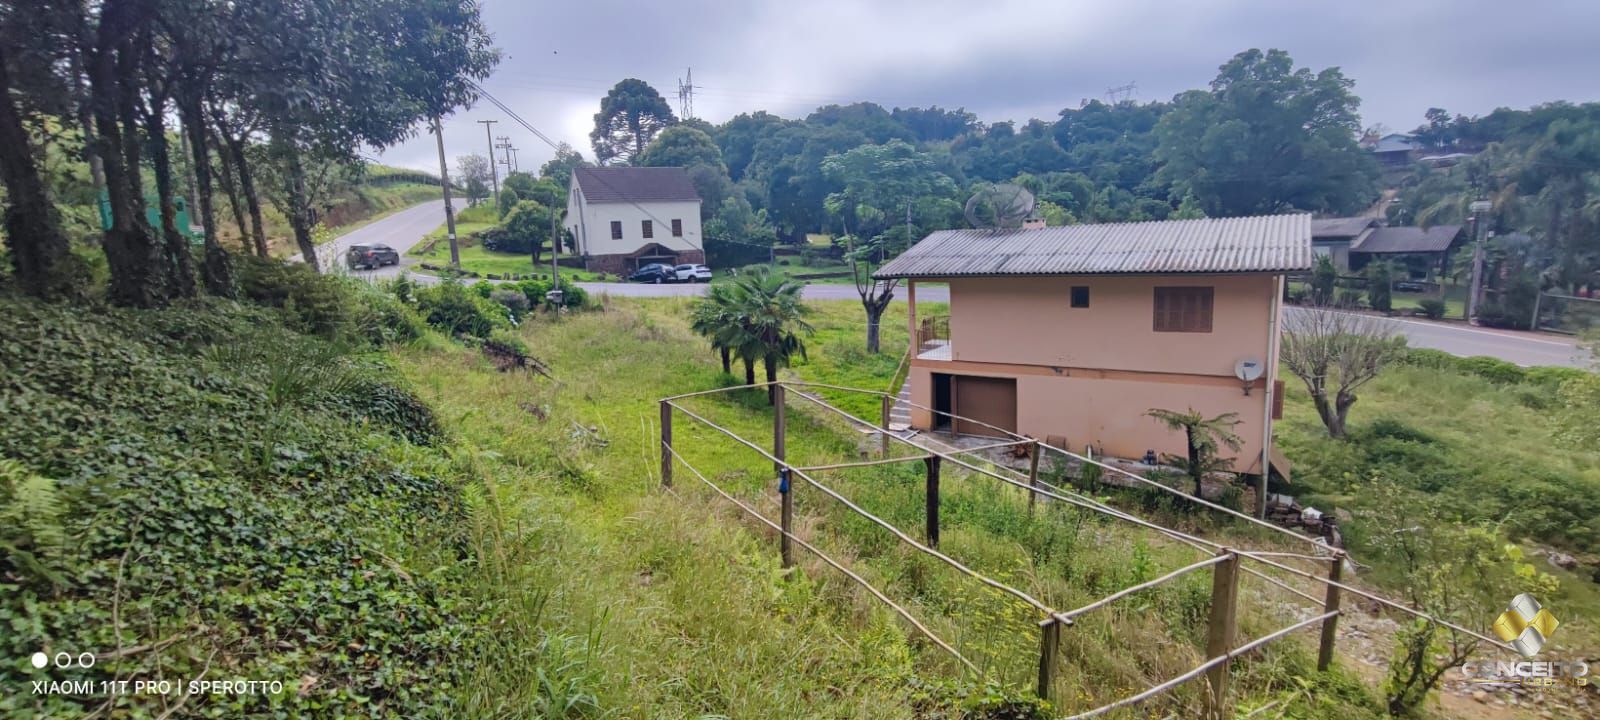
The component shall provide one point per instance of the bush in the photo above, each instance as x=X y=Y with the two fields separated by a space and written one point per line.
x=1380 y=289
x=1428 y=358
x=1553 y=377
x=572 y=296
x=1348 y=298
x=513 y=299
x=451 y=308
x=1492 y=369
x=1432 y=308
x=1323 y=278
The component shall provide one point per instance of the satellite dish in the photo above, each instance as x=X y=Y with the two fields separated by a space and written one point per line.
x=999 y=206
x=1249 y=370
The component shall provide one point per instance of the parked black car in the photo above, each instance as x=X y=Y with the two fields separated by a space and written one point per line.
x=371 y=256
x=654 y=273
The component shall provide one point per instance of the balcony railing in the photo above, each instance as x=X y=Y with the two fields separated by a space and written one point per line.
x=933 y=338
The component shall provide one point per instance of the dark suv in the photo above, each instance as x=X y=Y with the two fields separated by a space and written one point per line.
x=654 y=273
x=371 y=256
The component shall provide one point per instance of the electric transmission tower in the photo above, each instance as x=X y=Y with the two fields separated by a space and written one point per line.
x=1119 y=93
x=686 y=95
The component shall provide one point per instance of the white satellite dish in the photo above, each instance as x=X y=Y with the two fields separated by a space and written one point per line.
x=1249 y=370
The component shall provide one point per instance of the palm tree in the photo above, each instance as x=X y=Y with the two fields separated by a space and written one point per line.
x=770 y=312
x=1203 y=436
x=710 y=319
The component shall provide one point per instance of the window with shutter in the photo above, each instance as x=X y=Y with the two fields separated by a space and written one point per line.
x=677 y=228
x=646 y=228
x=1183 y=309
x=616 y=229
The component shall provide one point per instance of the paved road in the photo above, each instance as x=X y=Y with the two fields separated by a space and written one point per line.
x=401 y=231
x=406 y=228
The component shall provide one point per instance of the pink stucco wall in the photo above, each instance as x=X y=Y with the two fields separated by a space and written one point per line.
x=1090 y=374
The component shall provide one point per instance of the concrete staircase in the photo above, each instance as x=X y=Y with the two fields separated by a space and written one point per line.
x=900 y=412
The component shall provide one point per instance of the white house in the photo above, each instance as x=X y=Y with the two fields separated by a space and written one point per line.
x=625 y=217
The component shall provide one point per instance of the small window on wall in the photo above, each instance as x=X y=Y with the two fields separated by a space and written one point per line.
x=1080 y=296
x=648 y=229
x=616 y=229
x=677 y=227
x=1183 y=309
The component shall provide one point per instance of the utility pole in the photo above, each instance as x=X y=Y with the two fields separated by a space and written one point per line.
x=1480 y=211
x=494 y=175
x=505 y=145
x=444 y=183
x=514 y=166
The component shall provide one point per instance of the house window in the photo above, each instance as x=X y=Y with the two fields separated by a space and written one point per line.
x=616 y=229
x=1183 y=309
x=1080 y=296
x=647 y=228
x=677 y=227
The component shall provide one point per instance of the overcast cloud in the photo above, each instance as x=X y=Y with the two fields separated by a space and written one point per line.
x=1006 y=59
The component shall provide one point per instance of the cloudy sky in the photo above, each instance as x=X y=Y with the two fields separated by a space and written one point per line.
x=1006 y=59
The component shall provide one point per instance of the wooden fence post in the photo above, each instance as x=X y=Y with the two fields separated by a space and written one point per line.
x=1049 y=654
x=780 y=403
x=666 y=444
x=886 y=406
x=1033 y=475
x=932 y=461
x=1221 y=630
x=786 y=493
x=1330 y=603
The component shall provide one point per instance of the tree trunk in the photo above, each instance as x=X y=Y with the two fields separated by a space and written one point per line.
x=132 y=255
x=218 y=267
x=40 y=255
x=875 y=304
x=772 y=377
x=727 y=358
x=1196 y=471
x=179 y=261
x=749 y=371
x=1331 y=419
x=299 y=208
x=230 y=188
x=252 y=199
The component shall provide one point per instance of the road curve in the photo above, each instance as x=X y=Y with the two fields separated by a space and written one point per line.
x=404 y=229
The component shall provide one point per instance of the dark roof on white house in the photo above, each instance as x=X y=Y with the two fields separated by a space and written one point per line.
x=1395 y=240
x=634 y=184
x=1396 y=142
x=1268 y=243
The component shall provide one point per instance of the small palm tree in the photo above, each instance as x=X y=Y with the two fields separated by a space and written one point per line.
x=772 y=317
x=1203 y=437
x=710 y=319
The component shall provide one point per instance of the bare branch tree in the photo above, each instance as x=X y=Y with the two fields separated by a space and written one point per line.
x=1335 y=353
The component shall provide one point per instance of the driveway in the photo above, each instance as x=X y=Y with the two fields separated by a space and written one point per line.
x=405 y=229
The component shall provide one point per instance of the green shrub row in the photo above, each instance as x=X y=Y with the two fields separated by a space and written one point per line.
x=1491 y=369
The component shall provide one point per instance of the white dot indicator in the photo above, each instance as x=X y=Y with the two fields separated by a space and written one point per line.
x=40 y=660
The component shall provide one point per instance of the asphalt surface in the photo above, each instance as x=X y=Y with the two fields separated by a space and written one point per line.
x=402 y=231
x=405 y=229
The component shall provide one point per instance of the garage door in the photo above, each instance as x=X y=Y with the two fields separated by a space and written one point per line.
x=989 y=400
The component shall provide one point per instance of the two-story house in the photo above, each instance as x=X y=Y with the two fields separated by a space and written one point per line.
x=1077 y=332
x=624 y=217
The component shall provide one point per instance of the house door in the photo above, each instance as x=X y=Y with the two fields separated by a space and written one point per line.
x=941 y=401
x=990 y=401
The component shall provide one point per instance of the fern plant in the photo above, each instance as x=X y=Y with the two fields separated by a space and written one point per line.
x=33 y=535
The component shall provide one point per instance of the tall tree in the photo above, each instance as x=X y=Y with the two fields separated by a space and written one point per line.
x=682 y=146
x=879 y=186
x=1267 y=137
x=473 y=172
x=40 y=256
x=559 y=168
x=630 y=117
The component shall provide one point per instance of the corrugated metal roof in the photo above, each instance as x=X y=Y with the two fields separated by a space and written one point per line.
x=1438 y=238
x=1347 y=227
x=1268 y=243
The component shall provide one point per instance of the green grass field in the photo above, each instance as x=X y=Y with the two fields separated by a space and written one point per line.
x=670 y=604
x=474 y=258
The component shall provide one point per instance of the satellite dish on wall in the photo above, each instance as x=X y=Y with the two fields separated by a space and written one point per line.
x=999 y=206
x=1248 y=371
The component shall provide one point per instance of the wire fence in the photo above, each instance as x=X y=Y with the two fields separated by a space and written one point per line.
x=894 y=452
x=1566 y=313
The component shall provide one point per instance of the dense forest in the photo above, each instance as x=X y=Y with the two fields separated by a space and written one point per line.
x=1265 y=137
